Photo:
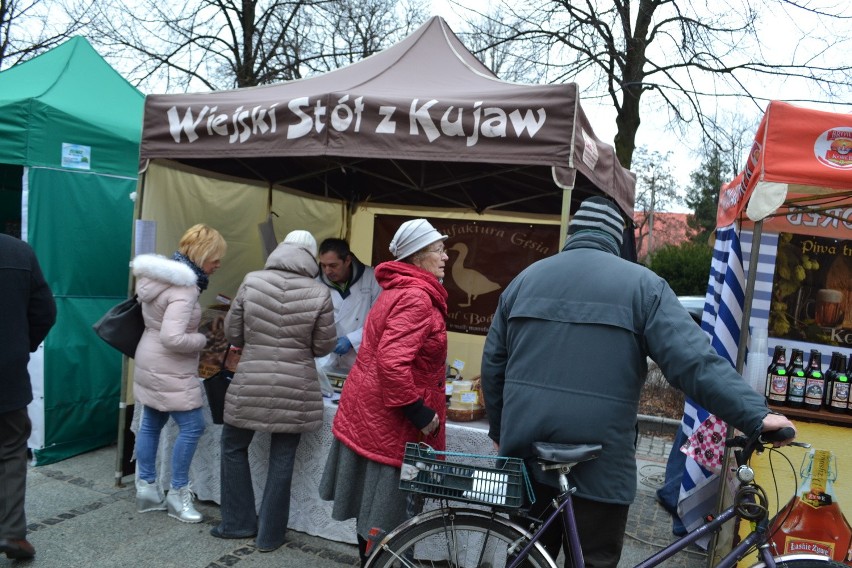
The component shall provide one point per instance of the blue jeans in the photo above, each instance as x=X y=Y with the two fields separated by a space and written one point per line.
x=239 y=515
x=669 y=494
x=191 y=426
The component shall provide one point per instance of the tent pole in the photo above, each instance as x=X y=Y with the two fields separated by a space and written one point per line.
x=724 y=539
x=565 y=215
x=125 y=370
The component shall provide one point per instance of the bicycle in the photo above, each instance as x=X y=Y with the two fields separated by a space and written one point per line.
x=485 y=537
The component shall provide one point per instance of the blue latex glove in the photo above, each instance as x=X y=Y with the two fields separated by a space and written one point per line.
x=343 y=345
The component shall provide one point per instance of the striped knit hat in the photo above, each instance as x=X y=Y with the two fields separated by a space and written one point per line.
x=598 y=214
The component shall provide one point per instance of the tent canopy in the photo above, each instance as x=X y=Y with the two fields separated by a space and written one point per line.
x=800 y=157
x=422 y=123
x=69 y=134
x=69 y=95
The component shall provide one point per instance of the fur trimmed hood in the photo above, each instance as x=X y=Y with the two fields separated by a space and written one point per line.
x=162 y=269
x=156 y=273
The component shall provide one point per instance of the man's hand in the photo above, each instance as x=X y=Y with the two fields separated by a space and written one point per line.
x=343 y=345
x=776 y=422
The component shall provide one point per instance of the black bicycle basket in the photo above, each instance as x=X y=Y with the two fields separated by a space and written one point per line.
x=484 y=480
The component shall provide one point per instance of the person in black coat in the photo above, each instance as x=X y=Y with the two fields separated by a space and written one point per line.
x=29 y=312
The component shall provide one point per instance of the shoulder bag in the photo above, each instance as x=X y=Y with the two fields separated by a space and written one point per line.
x=122 y=326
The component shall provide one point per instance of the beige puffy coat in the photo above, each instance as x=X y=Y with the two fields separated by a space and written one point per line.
x=282 y=318
x=166 y=363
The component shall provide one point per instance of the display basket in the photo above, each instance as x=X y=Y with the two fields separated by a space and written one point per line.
x=483 y=480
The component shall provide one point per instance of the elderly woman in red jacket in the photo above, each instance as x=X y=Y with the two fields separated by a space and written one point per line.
x=395 y=391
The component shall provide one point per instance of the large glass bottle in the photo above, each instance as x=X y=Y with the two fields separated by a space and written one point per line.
x=814 y=381
x=812 y=522
x=796 y=372
x=776 y=378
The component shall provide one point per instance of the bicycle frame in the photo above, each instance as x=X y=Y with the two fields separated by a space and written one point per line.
x=565 y=509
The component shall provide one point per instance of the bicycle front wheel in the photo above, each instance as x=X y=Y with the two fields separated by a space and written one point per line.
x=803 y=561
x=457 y=539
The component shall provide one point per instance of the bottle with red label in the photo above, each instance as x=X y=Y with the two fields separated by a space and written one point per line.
x=812 y=522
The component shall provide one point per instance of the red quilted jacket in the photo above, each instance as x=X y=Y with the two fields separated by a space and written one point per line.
x=402 y=359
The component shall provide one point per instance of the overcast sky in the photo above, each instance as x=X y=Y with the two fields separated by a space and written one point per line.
x=775 y=41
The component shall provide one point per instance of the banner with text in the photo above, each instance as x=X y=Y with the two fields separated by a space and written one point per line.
x=484 y=256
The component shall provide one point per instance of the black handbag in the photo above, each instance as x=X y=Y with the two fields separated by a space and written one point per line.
x=122 y=326
x=216 y=387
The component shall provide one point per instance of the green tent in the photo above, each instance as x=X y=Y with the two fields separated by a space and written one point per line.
x=69 y=152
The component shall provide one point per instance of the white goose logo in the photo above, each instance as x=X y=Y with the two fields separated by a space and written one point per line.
x=470 y=281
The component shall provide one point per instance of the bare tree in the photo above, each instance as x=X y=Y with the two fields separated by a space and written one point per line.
x=682 y=55
x=352 y=31
x=723 y=156
x=219 y=44
x=656 y=190
x=29 y=27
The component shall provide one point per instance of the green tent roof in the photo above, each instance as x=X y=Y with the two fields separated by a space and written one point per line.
x=70 y=95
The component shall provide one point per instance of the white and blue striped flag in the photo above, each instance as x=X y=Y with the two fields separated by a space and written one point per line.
x=723 y=308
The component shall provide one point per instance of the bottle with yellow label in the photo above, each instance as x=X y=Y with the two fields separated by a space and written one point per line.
x=812 y=522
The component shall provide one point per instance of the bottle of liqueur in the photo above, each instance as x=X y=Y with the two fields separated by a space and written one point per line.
x=777 y=380
x=812 y=522
x=814 y=382
x=796 y=372
x=838 y=395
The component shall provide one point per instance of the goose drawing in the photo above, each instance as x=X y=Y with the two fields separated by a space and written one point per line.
x=470 y=281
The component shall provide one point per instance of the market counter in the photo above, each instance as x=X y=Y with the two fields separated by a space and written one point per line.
x=308 y=513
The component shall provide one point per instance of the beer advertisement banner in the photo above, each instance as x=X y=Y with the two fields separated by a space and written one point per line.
x=484 y=256
x=811 y=297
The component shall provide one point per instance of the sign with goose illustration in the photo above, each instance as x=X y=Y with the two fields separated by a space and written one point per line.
x=484 y=256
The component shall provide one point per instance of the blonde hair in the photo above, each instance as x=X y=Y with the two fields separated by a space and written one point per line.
x=201 y=243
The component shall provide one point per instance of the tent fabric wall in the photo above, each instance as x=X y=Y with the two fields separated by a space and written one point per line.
x=76 y=212
x=79 y=225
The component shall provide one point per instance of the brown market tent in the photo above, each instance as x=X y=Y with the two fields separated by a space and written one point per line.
x=422 y=123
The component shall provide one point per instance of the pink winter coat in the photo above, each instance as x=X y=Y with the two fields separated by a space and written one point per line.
x=402 y=359
x=166 y=369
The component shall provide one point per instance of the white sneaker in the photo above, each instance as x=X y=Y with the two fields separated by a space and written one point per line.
x=149 y=497
x=179 y=503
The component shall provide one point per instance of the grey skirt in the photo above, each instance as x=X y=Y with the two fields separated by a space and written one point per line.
x=362 y=489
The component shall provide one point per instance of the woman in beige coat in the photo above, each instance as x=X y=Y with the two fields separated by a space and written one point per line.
x=165 y=378
x=282 y=318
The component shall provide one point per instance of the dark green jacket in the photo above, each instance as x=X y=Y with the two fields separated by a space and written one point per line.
x=566 y=357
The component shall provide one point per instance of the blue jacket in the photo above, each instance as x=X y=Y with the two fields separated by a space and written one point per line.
x=566 y=357
x=28 y=311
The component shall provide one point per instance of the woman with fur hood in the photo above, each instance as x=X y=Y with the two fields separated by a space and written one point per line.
x=165 y=379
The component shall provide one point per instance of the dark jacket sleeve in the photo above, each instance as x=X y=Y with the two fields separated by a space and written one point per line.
x=41 y=311
x=690 y=363
x=493 y=370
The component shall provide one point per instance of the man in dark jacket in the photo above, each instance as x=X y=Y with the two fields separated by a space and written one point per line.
x=565 y=360
x=28 y=312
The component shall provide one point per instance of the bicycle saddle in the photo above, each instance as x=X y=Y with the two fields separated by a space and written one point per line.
x=566 y=453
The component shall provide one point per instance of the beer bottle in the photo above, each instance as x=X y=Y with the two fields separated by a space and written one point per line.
x=839 y=393
x=776 y=378
x=830 y=373
x=796 y=372
x=849 y=377
x=814 y=381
